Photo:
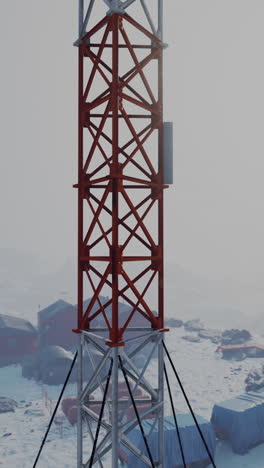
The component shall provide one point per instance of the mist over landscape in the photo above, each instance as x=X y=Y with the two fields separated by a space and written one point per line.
x=213 y=92
x=27 y=286
x=213 y=234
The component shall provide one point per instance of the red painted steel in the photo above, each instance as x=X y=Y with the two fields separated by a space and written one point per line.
x=121 y=117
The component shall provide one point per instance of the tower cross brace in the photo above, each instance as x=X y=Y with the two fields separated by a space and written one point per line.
x=120 y=233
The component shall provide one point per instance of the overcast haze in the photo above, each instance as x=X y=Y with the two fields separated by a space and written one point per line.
x=214 y=75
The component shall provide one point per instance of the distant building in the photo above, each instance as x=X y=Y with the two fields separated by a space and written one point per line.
x=18 y=340
x=51 y=366
x=55 y=324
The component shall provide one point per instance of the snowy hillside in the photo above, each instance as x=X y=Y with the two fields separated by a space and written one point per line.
x=206 y=379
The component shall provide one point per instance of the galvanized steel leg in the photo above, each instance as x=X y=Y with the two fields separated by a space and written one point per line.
x=79 y=414
x=81 y=13
x=160 y=20
x=115 y=435
x=161 y=398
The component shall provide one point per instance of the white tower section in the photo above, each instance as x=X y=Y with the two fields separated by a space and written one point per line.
x=152 y=10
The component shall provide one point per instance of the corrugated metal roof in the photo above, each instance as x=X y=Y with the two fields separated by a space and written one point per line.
x=15 y=323
x=53 y=309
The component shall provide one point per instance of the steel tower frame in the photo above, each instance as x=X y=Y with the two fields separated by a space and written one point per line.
x=122 y=179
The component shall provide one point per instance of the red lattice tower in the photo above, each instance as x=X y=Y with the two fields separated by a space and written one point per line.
x=120 y=183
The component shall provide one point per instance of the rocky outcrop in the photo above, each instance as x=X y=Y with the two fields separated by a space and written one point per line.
x=235 y=337
x=191 y=338
x=7 y=405
x=174 y=323
x=209 y=334
x=194 y=325
x=34 y=412
x=255 y=380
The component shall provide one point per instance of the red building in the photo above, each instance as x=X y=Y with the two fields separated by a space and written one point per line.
x=55 y=324
x=18 y=340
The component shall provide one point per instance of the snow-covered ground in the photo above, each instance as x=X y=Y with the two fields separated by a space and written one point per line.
x=206 y=378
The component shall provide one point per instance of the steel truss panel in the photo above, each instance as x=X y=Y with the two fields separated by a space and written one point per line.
x=120 y=181
x=106 y=412
x=122 y=7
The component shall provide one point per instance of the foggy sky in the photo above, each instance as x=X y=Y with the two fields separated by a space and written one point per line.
x=214 y=75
